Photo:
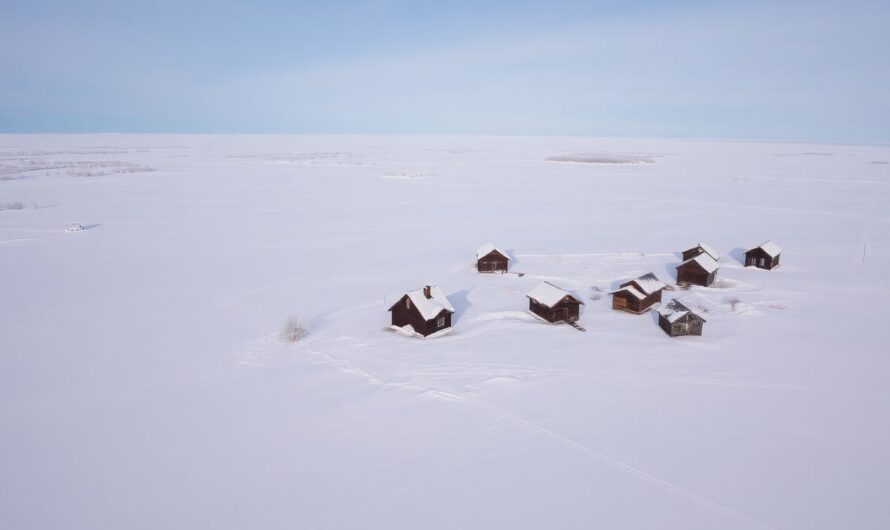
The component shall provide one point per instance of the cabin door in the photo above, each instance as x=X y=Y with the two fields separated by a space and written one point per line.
x=564 y=313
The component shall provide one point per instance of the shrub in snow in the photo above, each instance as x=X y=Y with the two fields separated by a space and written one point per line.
x=14 y=205
x=294 y=330
x=73 y=227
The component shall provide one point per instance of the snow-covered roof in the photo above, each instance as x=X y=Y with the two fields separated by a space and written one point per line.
x=708 y=250
x=772 y=250
x=631 y=290
x=429 y=307
x=649 y=283
x=674 y=311
x=548 y=294
x=487 y=249
x=704 y=261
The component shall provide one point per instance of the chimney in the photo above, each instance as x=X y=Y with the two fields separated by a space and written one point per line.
x=426 y=292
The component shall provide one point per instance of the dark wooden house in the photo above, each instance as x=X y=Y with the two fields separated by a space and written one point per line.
x=638 y=295
x=426 y=310
x=700 y=270
x=553 y=304
x=698 y=250
x=489 y=258
x=676 y=320
x=765 y=256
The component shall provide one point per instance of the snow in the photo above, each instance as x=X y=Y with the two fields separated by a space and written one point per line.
x=430 y=307
x=705 y=262
x=548 y=294
x=673 y=310
x=487 y=249
x=144 y=383
x=73 y=227
x=772 y=250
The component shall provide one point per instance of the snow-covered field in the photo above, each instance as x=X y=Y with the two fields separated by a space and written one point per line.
x=144 y=383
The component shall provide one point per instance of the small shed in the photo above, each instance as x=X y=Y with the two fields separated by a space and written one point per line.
x=765 y=256
x=676 y=319
x=698 y=250
x=490 y=258
x=700 y=270
x=638 y=295
x=553 y=304
x=426 y=310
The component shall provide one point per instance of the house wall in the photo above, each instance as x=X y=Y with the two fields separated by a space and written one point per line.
x=694 y=275
x=688 y=325
x=569 y=309
x=753 y=257
x=665 y=325
x=680 y=327
x=484 y=263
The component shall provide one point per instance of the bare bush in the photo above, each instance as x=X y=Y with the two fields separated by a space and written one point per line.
x=294 y=330
x=14 y=205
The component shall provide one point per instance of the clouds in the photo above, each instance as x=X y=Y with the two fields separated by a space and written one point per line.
x=787 y=71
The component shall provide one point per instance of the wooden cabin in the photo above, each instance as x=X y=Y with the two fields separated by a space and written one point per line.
x=700 y=270
x=426 y=310
x=638 y=295
x=765 y=256
x=553 y=304
x=490 y=258
x=677 y=320
x=698 y=250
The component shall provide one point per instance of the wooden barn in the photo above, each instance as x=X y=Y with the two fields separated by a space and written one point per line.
x=553 y=304
x=765 y=256
x=677 y=320
x=700 y=270
x=426 y=310
x=490 y=258
x=698 y=250
x=638 y=295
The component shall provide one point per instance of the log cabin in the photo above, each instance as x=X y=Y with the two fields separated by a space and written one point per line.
x=700 y=270
x=677 y=320
x=764 y=256
x=490 y=258
x=698 y=250
x=638 y=295
x=426 y=310
x=553 y=304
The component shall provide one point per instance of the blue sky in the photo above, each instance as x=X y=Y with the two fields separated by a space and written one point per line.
x=784 y=70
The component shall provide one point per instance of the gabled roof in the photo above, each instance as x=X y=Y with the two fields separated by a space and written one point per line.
x=548 y=294
x=707 y=250
x=648 y=283
x=675 y=310
x=429 y=308
x=631 y=290
x=487 y=249
x=772 y=250
x=641 y=287
x=704 y=261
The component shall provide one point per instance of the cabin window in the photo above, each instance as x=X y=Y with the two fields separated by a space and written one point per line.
x=408 y=303
x=441 y=322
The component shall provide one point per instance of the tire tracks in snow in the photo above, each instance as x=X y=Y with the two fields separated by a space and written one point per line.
x=665 y=485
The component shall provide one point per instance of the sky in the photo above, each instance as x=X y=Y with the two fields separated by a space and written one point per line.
x=764 y=70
